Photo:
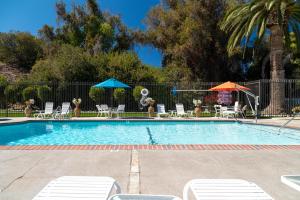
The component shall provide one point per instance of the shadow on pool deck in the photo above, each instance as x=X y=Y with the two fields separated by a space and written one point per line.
x=24 y=173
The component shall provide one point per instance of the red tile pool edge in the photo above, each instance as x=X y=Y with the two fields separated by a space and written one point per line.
x=153 y=147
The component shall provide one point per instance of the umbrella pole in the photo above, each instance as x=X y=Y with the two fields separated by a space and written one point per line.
x=111 y=98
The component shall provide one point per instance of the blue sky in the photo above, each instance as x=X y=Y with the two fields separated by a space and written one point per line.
x=31 y=15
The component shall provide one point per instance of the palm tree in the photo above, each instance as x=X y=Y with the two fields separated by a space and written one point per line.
x=274 y=17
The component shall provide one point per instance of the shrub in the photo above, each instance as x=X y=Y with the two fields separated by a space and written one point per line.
x=29 y=93
x=3 y=84
x=137 y=92
x=43 y=92
x=96 y=94
x=119 y=95
x=12 y=93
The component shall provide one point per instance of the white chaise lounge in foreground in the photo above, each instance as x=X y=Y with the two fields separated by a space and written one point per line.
x=224 y=189
x=79 y=188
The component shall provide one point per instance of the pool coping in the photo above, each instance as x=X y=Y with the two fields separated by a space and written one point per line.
x=208 y=147
x=149 y=147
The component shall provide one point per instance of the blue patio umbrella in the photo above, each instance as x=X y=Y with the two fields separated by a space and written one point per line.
x=111 y=84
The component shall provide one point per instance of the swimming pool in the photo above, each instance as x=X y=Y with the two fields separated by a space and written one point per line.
x=143 y=132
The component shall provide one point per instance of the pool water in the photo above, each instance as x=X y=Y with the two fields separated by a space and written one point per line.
x=143 y=132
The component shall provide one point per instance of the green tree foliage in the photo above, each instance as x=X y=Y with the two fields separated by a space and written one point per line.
x=43 y=93
x=3 y=84
x=127 y=67
x=87 y=27
x=69 y=64
x=19 y=49
x=187 y=33
x=12 y=93
x=96 y=94
x=29 y=93
x=119 y=95
x=257 y=16
x=137 y=92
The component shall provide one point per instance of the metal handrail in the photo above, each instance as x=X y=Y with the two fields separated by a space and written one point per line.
x=286 y=123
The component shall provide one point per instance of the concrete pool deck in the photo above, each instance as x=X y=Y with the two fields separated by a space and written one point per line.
x=24 y=173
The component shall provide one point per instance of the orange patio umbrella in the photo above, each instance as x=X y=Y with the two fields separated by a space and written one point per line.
x=229 y=86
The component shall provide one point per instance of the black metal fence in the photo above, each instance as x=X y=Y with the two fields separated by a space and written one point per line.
x=162 y=93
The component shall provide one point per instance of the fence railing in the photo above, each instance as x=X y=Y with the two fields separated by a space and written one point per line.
x=12 y=104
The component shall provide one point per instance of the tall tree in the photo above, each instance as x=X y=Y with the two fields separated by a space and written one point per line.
x=19 y=49
x=89 y=28
x=188 y=35
x=278 y=17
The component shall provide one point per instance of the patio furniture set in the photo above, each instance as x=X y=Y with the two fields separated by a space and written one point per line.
x=104 y=111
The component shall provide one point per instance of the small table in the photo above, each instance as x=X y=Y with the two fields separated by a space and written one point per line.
x=190 y=113
x=291 y=180
x=173 y=113
x=206 y=109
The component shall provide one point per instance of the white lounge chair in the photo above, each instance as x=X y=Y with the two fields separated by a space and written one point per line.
x=65 y=111
x=217 y=110
x=224 y=189
x=120 y=109
x=143 y=197
x=103 y=110
x=292 y=181
x=180 y=110
x=161 y=110
x=226 y=112
x=79 y=188
x=48 y=111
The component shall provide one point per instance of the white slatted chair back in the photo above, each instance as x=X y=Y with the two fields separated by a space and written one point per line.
x=180 y=109
x=104 y=107
x=79 y=187
x=161 y=108
x=49 y=107
x=217 y=189
x=98 y=108
x=236 y=107
x=65 y=108
x=121 y=108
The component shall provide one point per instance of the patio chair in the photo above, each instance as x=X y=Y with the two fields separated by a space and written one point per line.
x=227 y=112
x=217 y=110
x=102 y=110
x=120 y=109
x=180 y=110
x=79 y=187
x=161 y=110
x=216 y=189
x=48 y=111
x=65 y=111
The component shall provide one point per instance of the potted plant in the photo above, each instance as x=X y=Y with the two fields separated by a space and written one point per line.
x=197 y=103
x=296 y=110
x=77 y=103
x=151 y=103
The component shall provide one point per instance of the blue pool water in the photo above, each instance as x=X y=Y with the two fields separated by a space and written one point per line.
x=143 y=132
